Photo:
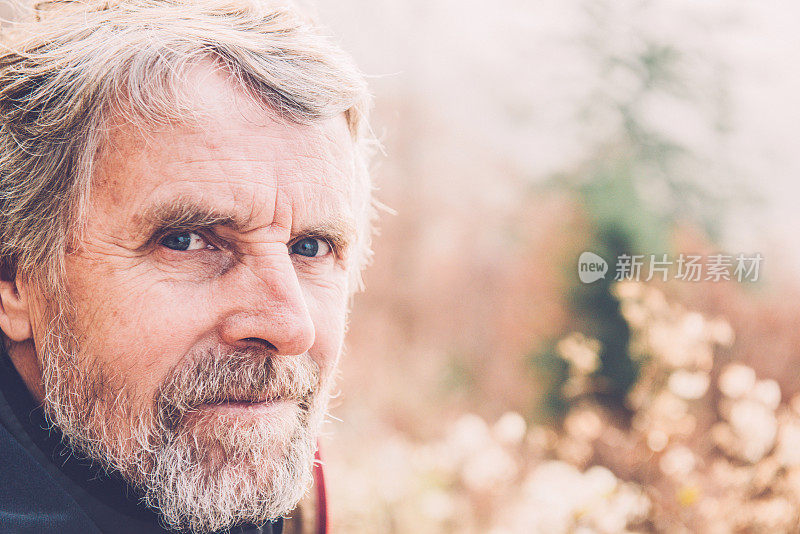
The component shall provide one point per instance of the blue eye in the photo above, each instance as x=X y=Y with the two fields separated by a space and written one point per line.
x=183 y=241
x=310 y=247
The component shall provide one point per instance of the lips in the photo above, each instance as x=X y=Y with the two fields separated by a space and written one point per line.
x=232 y=402
x=240 y=400
x=271 y=406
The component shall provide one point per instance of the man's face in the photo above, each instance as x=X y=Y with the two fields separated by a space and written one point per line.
x=208 y=304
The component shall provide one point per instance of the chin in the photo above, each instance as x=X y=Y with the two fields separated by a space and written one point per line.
x=224 y=472
x=227 y=465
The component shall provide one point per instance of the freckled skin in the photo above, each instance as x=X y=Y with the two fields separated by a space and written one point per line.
x=142 y=310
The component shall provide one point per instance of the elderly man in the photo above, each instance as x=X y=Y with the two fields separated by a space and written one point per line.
x=184 y=214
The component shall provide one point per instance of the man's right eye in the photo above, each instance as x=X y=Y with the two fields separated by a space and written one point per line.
x=185 y=241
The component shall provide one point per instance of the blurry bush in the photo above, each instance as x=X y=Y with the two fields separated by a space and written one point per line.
x=710 y=447
x=641 y=182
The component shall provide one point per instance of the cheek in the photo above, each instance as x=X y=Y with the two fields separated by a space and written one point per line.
x=328 y=309
x=138 y=330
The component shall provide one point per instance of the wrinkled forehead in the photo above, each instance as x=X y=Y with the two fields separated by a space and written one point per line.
x=209 y=103
x=231 y=146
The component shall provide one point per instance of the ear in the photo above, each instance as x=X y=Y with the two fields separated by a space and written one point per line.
x=15 y=318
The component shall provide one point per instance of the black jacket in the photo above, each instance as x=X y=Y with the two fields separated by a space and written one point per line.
x=46 y=489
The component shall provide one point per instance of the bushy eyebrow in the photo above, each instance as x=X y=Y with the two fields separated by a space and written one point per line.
x=187 y=214
x=182 y=213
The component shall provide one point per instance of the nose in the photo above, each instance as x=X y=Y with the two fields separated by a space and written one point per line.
x=264 y=306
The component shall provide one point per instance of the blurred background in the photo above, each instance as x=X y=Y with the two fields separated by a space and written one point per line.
x=485 y=388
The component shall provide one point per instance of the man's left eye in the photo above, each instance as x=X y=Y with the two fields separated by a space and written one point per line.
x=310 y=247
x=184 y=241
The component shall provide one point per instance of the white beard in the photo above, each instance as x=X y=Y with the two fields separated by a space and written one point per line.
x=201 y=469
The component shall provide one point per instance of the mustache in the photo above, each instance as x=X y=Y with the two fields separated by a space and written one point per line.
x=241 y=376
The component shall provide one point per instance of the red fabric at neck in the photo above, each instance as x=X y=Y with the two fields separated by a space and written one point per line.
x=322 y=499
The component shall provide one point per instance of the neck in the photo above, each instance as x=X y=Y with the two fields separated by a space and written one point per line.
x=25 y=360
